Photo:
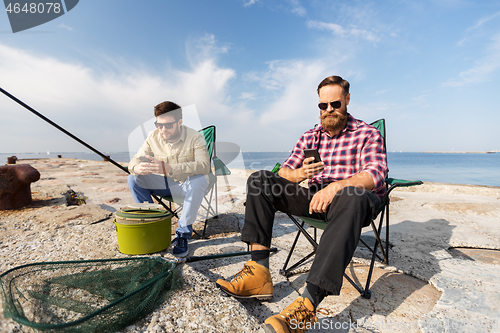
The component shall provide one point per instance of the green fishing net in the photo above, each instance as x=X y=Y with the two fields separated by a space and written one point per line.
x=88 y=295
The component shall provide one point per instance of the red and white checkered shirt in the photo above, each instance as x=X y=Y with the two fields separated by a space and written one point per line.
x=358 y=147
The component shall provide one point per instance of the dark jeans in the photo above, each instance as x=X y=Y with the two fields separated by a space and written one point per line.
x=351 y=210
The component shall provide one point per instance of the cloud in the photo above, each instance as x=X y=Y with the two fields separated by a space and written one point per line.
x=371 y=111
x=293 y=6
x=334 y=28
x=205 y=47
x=248 y=96
x=451 y=3
x=102 y=107
x=382 y=92
x=249 y=3
x=475 y=32
x=278 y=74
x=64 y=26
x=99 y=107
x=422 y=101
x=297 y=8
x=294 y=83
x=482 y=21
x=342 y=32
x=483 y=70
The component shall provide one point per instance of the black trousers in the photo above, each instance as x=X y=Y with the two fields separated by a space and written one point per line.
x=351 y=210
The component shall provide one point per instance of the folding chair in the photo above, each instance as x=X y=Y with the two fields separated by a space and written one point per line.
x=383 y=210
x=219 y=169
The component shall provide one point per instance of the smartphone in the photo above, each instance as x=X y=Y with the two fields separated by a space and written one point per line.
x=314 y=153
x=144 y=159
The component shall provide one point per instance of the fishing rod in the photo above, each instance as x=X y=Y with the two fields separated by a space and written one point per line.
x=215 y=256
x=61 y=129
x=107 y=158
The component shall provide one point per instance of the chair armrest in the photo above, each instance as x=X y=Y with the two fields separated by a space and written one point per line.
x=220 y=168
x=276 y=168
x=402 y=182
x=392 y=183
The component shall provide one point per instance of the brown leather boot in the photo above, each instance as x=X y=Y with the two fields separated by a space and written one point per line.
x=253 y=281
x=296 y=318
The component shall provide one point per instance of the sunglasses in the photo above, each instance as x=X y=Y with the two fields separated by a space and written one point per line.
x=334 y=105
x=166 y=125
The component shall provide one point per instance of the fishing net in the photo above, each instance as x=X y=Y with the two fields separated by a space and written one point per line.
x=88 y=295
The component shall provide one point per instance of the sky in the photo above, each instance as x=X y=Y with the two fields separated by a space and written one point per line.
x=431 y=68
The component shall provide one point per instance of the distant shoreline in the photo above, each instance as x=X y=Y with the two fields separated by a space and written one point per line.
x=461 y=152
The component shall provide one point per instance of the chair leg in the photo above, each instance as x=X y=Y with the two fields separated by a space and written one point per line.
x=371 y=250
x=209 y=209
x=168 y=208
x=303 y=231
x=365 y=292
x=204 y=228
x=378 y=241
x=283 y=271
x=387 y=234
x=286 y=271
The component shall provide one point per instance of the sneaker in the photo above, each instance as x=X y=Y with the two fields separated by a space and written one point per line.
x=181 y=248
x=297 y=318
x=173 y=243
x=253 y=281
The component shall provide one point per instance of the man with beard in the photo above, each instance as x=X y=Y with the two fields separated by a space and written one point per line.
x=344 y=190
x=173 y=161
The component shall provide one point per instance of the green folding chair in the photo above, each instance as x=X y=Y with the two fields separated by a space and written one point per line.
x=217 y=168
x=383 y=210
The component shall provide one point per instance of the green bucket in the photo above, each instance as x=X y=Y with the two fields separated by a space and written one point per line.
x=143 y=230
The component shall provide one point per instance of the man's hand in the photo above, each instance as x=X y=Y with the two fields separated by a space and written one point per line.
x=307 y=171
x=155 y=166
x=321 y=199
x=310 y=169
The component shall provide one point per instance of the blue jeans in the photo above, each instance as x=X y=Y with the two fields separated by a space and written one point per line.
x=189 y=194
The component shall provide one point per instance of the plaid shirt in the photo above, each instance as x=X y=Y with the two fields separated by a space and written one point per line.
x=358 y=147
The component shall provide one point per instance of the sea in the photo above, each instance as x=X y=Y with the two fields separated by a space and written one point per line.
x=453 y=168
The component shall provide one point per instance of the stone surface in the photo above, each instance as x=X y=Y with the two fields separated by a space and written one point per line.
x=426 y=288
x=482 y=255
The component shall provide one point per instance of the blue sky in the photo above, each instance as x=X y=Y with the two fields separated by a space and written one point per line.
x=251 y=67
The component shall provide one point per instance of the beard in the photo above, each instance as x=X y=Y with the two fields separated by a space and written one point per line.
x=170 y=136
x=335 y=124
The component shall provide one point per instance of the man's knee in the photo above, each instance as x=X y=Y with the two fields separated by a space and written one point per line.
x=260 y=177
x=131 y=181
x=355 y=199
x=264 y=182
x=198 y=182
x=256 y=181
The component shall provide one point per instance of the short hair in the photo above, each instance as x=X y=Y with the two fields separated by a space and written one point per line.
x=335 y=80
x=168 y=106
